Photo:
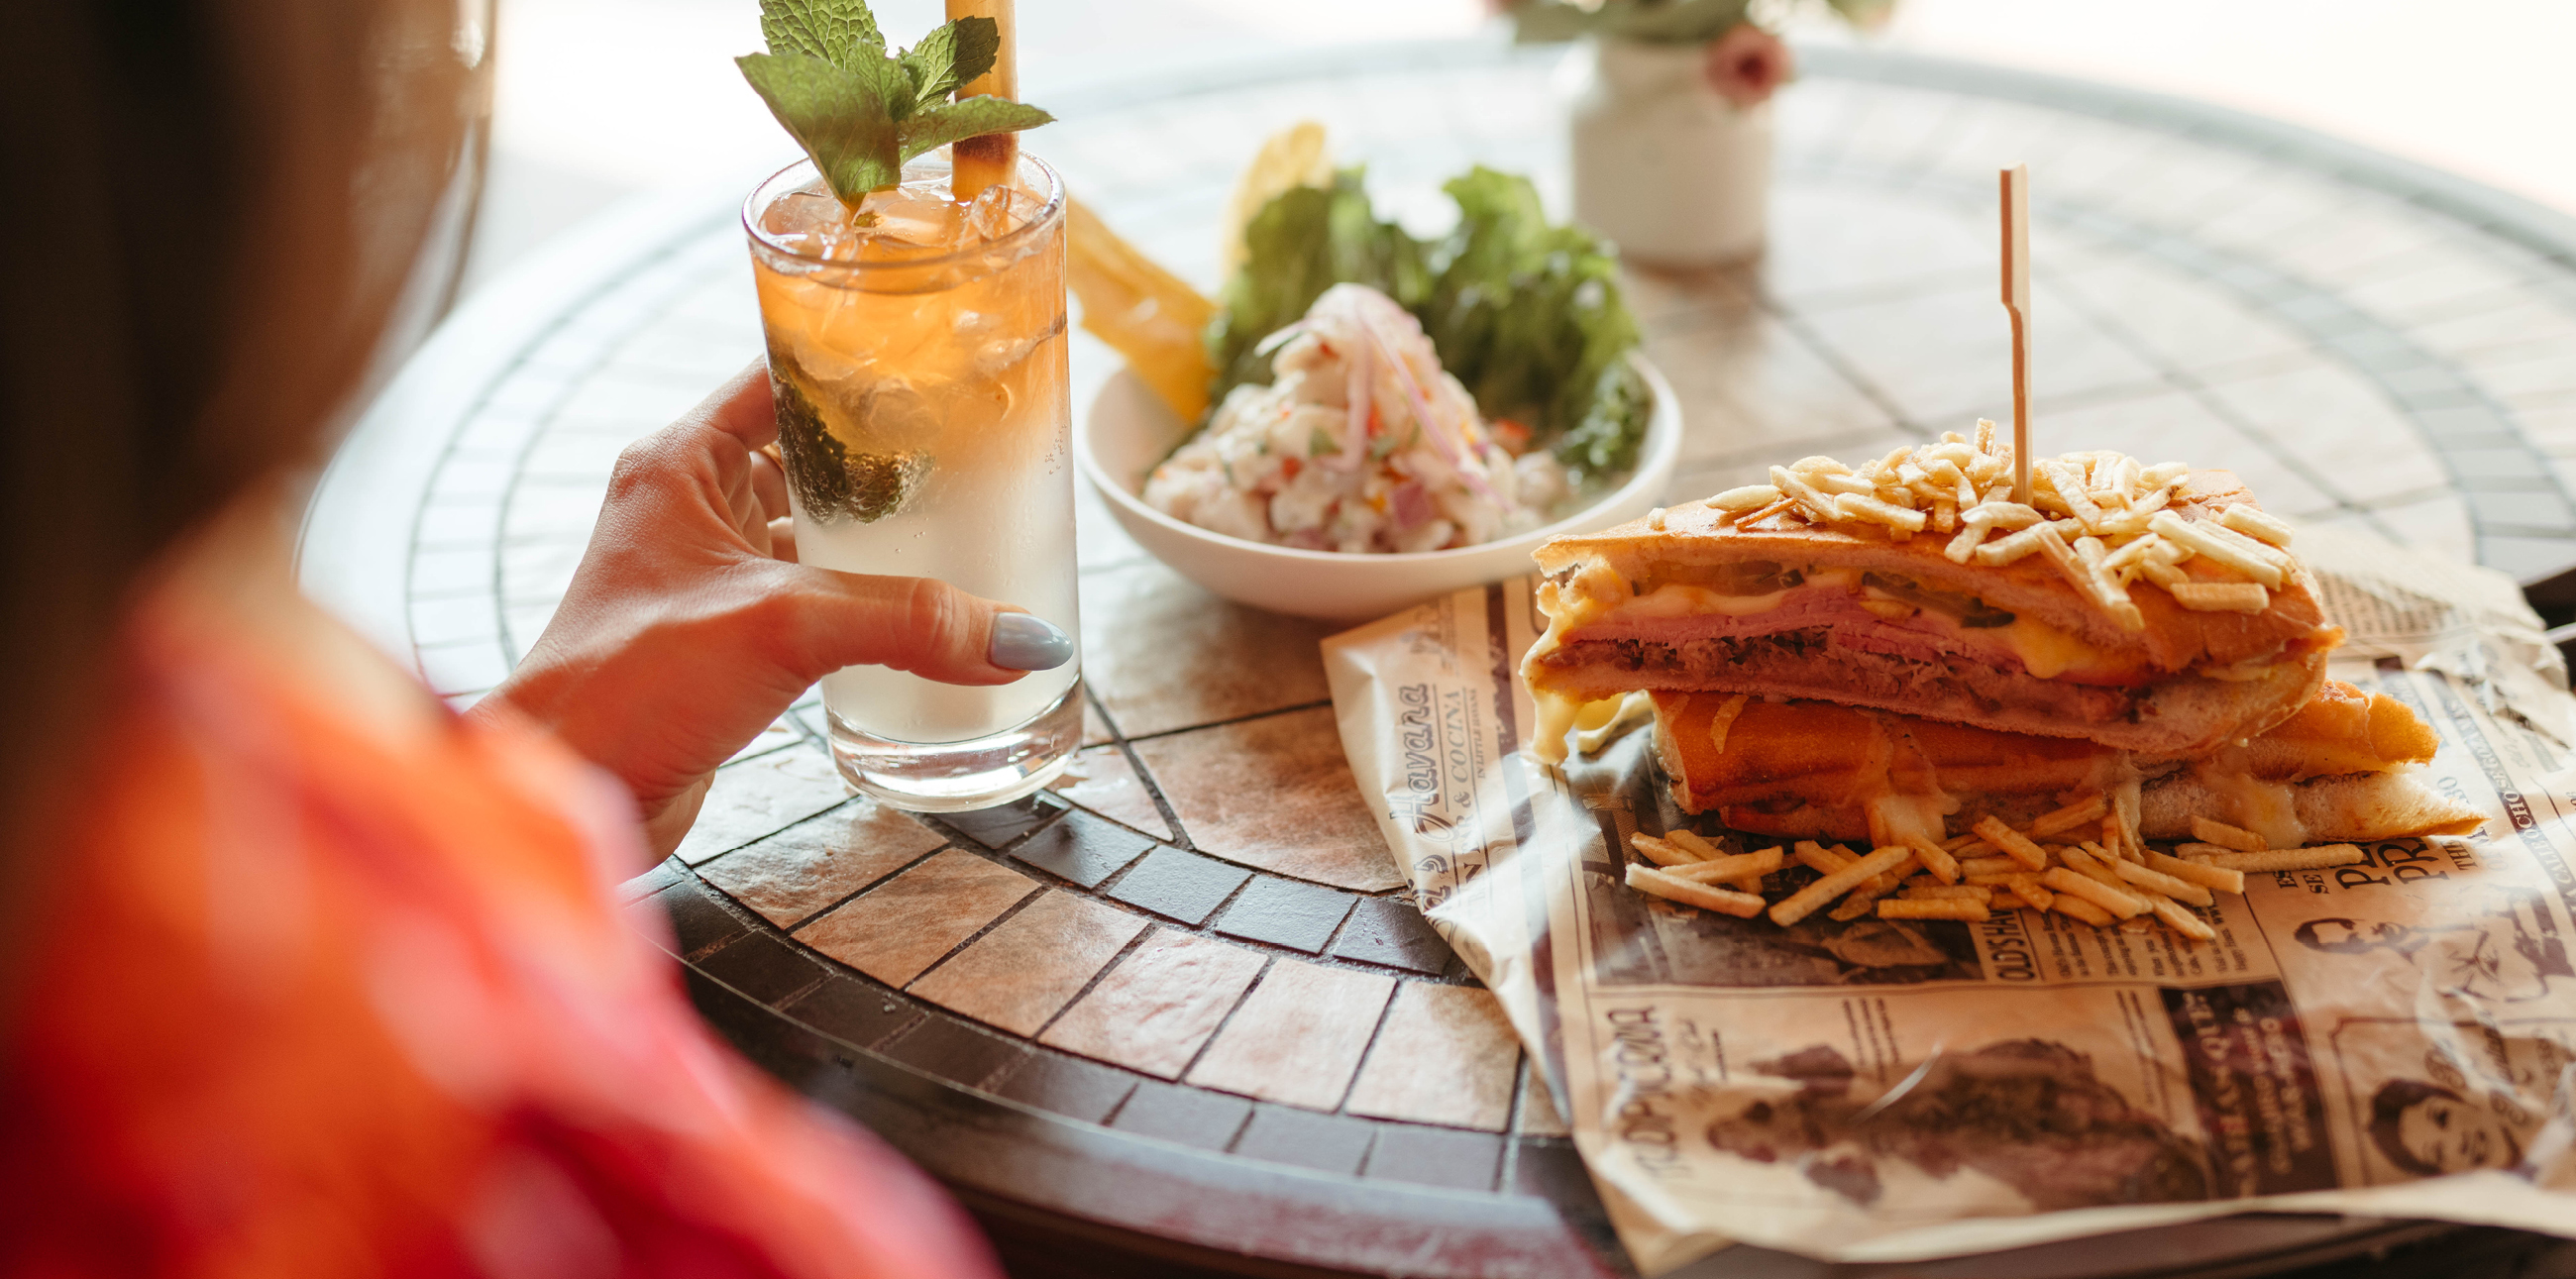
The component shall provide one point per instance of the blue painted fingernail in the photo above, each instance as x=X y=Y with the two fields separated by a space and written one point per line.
x=1022 y=642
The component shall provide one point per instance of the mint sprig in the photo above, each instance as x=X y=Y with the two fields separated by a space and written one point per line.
x=860 y=112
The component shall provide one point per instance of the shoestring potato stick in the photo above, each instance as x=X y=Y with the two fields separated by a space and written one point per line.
x=2207 y=876
x=2027 y=888
x=2088 y=809
x=1689 y=842
x=1960 y=908
x=2216 y=832
x=1935 y=859
x=1856 y=903
x=2074 y=907
x=1947 y=892
x=1737 y=869
x=1662 y=853
x=2157 y=881
x=2067 y=883
x=1806 y=900
x=2013 y=843
x=2280 y=859
x=1647 y=879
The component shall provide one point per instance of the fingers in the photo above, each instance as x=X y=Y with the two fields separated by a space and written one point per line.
x=769 y=484
x=782 y=539
x=742 y=408
x=921 y=625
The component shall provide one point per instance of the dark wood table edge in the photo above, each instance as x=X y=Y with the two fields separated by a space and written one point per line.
x=1037 y=1173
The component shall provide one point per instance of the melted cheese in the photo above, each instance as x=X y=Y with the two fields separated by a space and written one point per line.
x=1609 y=718
x=1556 y=716
x=2269 y=809
x=2047 y=652
x=1896 y=818
x=1678 y=600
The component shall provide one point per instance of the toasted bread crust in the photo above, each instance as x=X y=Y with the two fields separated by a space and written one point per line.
x=2178 y=716
x=2175 y=638
x=2346 y=764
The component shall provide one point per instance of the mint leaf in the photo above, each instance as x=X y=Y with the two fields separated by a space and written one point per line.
x=859 y=112
x=839 y=32
x=840 y=117
x=951 y=56
x=891 y=83
x=936 y=126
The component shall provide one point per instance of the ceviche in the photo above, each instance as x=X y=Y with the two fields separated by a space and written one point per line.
x=1361 y=443
x=1361 y=389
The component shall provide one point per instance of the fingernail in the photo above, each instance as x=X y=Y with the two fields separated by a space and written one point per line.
x=1022 y=642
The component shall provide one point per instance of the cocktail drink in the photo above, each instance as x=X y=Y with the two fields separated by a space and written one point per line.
x=917 y=349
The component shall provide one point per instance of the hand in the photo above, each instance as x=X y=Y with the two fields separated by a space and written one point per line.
x=689 y=628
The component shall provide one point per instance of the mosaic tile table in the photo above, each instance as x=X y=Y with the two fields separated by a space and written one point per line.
x=1180 y=1009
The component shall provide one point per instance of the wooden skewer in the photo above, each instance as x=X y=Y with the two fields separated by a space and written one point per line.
x=2015 y=188
x=986 y=161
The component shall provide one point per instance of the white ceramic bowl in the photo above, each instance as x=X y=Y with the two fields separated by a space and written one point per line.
x=1129 y=430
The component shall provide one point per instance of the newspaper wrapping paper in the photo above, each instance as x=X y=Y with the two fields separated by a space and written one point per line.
x=1901 y=1090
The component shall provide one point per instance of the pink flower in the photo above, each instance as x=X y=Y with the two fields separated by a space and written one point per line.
x=1747 y=65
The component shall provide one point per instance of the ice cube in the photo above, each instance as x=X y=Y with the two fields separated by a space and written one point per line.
x=993 y=214
x=826 y=364
x=812 y=223
x=996 y=356
x=904 y=219
x=800 y=212
x=896 y=415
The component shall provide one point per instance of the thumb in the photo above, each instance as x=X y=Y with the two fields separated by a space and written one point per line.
x=917 y=624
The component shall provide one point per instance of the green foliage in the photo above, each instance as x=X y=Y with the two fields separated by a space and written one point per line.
x=953 y=55
x=861 y=112
x=933 y=127
x=1301 y=243
x=1656 y=21
x=840 y=119
x=820 y=29
x=1526 y=315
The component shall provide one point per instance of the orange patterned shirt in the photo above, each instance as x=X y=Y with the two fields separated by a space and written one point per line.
x=309 y=1001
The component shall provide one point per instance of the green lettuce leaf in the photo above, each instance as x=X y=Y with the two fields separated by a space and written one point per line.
x=1529 y=317
x=1301 y=243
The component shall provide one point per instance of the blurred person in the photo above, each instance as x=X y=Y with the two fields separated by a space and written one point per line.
x=302 y=973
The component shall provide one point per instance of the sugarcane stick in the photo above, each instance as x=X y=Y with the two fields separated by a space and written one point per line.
x=983 y=162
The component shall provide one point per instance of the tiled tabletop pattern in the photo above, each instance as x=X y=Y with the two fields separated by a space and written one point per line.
x=1198 y=937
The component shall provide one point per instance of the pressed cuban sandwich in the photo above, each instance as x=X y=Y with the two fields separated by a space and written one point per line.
x=2148 y=609
x=2345 y=767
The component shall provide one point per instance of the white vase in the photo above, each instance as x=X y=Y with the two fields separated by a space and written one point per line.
x=1665 y=168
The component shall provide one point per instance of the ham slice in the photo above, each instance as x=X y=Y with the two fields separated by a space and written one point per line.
x=1926 y=636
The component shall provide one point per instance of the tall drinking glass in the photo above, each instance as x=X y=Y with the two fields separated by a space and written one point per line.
x=918 y=355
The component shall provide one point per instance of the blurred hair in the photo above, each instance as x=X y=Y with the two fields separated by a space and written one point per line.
x=215 y=208
x=2353 y=943
x=2388 y=1109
